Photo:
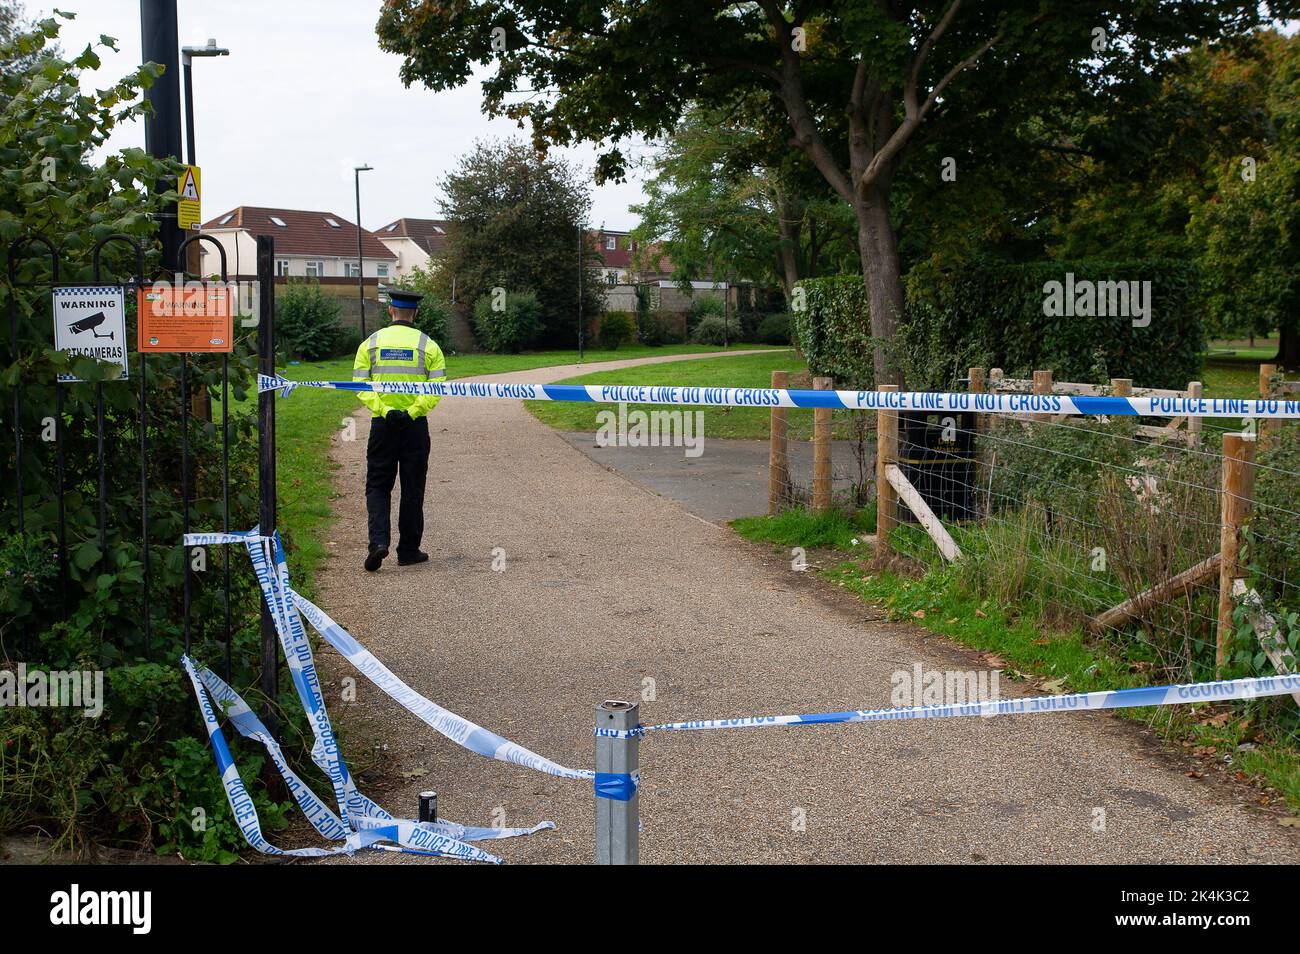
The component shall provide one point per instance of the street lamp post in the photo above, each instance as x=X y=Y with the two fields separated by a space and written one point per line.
x=361 y=290
x=194 y=253
x=187 y=57
x=580 y=269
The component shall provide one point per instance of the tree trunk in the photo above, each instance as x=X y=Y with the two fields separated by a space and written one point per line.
x=882 y=275
x=789 y=251
x=1288 y=347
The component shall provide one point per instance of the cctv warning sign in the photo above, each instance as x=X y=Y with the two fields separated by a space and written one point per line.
x=90 y=322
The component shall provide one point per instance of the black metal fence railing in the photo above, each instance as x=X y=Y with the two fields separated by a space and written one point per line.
x=36 y=266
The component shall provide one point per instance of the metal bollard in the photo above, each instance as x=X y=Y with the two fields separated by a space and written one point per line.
x=428 y=807
x=618 y=829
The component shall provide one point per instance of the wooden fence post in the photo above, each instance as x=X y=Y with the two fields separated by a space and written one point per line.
x=1268 y=388
x=1042 y=385
x=978 y=385
x=1236 y=497
x=886 y=454
x=821 y=484
x=1194 y=390
x=778 y=463
x=1121 y=387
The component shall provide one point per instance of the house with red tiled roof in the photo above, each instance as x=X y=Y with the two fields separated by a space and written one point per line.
x=414 y=242
x=624 y=261
x=315 y=245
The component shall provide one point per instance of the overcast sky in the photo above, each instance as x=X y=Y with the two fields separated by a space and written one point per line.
x=305 y=95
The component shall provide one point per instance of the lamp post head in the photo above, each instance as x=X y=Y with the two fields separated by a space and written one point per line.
x=211 y=49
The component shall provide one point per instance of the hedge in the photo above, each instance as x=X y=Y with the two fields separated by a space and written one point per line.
x=833 y=330
x=994 y=316
x=999 y=311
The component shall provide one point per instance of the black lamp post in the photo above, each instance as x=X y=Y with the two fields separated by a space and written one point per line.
x=361 y=291
x=187 y=56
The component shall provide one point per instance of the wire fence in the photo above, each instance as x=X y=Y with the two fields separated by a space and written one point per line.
x=1173 y=544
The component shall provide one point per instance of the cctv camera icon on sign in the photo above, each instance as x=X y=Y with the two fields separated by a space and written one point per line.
x=90 y=323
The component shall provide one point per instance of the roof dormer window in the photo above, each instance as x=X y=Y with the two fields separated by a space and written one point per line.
x=332 y=224
x=279 y=221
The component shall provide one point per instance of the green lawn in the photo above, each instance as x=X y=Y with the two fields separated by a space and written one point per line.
x=748 y=371
x=1231 y=378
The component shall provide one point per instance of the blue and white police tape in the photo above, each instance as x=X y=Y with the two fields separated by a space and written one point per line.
x=368 y=830
x=1190 y=693
x=360 y=822
x=457 y=728
x=803 y=398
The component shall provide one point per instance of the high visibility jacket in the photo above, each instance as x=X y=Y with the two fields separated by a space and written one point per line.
x=399 y=352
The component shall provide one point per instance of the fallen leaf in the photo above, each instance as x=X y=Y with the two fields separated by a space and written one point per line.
x=997 y=662
x=1291 y=822
x=1055 y=685
x=981 y=614
x=1194 y=774
x=919 y=614
x=415 y=773
x=953 y=620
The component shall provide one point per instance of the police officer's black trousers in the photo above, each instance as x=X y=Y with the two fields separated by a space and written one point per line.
x=396 y=449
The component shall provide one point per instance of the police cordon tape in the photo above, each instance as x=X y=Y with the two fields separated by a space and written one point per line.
x=360 y=823
x=1224 y=691
x=802 y=398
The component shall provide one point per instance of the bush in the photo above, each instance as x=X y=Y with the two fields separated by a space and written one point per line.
x=711 y=330
x=774 y=329
x=833 y=329
x=616 y=328
x=511 y=329
x=307 y=322
x=667 y=325
x=994 y=315
x=133 y=776
x=706 y=306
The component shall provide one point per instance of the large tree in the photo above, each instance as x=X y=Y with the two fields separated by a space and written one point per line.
x=516 y=217
x=1246 y=228
x=722 y=206
x=859 y=85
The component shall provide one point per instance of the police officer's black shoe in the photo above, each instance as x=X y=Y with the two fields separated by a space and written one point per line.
x=376 y=557
x=419 y=556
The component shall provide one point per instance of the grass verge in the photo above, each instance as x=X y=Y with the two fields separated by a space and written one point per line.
x=745 y=371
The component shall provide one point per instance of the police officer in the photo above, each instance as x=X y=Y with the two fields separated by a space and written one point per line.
x=399 y=432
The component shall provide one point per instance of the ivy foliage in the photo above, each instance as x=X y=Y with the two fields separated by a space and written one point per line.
x=138 y=774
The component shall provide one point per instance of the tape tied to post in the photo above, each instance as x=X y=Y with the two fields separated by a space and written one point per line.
x=617 y=786
x=936 y=401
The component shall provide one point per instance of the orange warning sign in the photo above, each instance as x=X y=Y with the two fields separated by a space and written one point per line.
x=195 y=317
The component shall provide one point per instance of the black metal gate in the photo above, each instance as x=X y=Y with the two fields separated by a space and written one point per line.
x=36 y=266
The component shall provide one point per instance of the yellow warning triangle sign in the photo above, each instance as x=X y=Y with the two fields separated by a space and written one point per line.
x=189 y=189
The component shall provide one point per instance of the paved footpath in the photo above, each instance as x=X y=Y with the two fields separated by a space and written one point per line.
x=606 y=586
